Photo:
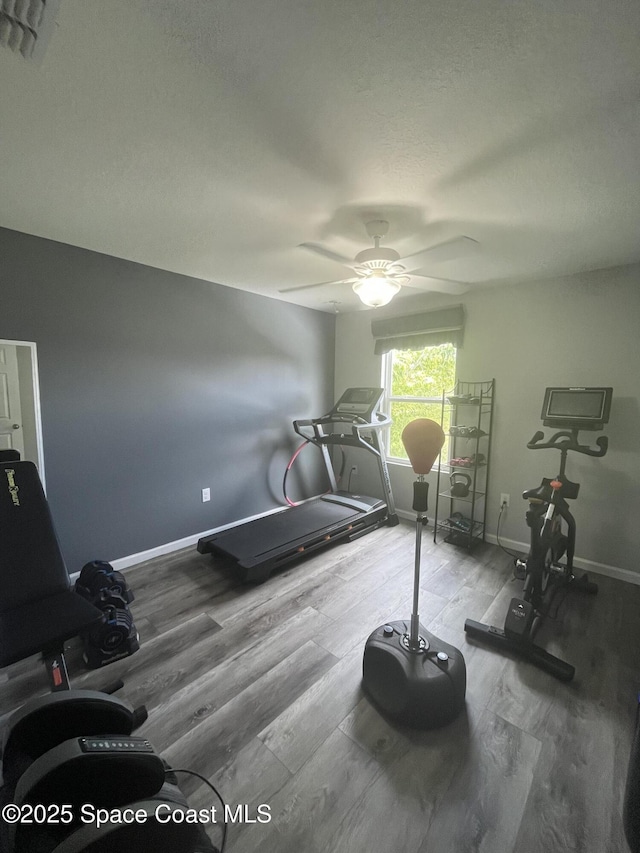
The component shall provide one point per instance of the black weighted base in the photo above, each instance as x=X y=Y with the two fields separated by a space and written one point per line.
x=423 y=689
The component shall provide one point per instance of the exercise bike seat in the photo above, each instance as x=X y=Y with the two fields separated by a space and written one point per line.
x=541 y=494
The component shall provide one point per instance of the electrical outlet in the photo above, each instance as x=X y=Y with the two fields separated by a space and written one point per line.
x=206 y=495
x=504 y=499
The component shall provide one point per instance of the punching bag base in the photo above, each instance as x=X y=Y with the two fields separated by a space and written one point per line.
x=421 y=689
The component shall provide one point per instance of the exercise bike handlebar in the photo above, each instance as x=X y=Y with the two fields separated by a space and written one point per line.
x=568 y=440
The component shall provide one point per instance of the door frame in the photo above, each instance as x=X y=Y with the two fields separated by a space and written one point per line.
x=35 y=415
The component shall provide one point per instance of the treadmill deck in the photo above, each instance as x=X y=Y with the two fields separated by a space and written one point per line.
x=260 y=546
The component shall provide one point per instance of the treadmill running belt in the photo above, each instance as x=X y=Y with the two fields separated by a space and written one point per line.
x=285 y=528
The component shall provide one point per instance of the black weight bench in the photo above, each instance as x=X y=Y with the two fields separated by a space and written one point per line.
x=70 y=746
x=39 y=611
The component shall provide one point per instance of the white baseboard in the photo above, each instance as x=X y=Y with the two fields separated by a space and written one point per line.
x=579 y=562
x=408 y=516
x=179 y=544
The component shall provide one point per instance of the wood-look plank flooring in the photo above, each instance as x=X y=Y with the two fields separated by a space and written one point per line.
x=258 y=688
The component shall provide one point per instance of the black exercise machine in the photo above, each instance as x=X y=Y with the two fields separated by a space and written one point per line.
x=571 y=410
x=411 y=675
x=70 y=747
x=38 y=609
x=265 y=544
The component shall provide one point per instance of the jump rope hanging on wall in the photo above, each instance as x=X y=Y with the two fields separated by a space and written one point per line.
x=295 y=455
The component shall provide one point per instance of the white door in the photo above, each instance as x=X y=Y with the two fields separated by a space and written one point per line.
x=10 y=413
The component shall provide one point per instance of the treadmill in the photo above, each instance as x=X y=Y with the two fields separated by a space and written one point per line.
x=265 y=544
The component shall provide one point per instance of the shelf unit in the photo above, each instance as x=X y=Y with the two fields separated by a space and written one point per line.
x=468 y=410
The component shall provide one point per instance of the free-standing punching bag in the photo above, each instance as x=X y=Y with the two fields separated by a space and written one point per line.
x=413 y=677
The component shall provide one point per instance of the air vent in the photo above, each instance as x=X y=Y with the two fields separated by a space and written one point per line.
x=26 y=26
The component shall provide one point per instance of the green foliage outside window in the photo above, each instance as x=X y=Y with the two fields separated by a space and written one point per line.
x=422 y=374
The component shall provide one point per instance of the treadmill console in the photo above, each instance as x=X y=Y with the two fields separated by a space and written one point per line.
x=361 y=402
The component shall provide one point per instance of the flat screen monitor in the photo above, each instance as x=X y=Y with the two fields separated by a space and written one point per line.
x=576 y=408
x=359 y=401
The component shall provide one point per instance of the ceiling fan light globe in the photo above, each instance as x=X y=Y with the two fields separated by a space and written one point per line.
x=376 y=292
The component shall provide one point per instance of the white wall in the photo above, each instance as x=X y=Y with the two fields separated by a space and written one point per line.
x=579 y=330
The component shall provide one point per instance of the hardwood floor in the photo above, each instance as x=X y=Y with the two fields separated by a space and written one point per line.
x=258 y=688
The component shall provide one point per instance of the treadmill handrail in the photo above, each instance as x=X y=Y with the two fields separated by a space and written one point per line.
x=355 y=421
x=313 y=431
x=320 y=437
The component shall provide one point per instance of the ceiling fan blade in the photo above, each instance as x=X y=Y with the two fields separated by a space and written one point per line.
x=319 y=284
x=439 y=285
x=457 y=247
x=326 y=253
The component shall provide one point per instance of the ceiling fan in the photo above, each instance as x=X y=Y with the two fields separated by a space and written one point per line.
x=380 y=272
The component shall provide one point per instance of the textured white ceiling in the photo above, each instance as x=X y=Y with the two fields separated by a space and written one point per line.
x=211 y=138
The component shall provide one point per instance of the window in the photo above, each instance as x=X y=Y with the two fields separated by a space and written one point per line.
x=415 y=381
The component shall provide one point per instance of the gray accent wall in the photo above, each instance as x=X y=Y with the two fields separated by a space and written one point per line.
x=579 y=330
x=155 y=385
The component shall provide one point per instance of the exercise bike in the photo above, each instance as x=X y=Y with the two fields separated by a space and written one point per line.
x=552 y=537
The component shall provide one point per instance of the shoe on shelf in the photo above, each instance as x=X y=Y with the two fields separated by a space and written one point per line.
x=459 y=521
x=466 y=431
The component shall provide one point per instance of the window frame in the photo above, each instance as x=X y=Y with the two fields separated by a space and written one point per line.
x=388 y=398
